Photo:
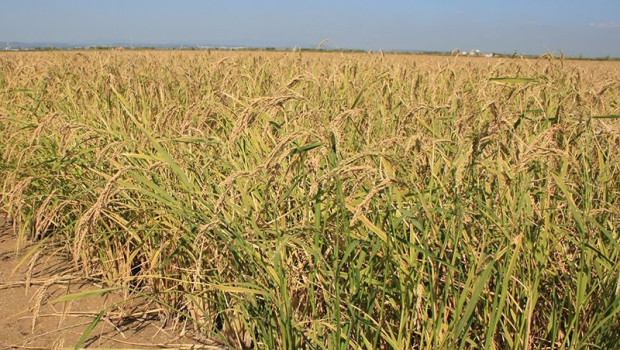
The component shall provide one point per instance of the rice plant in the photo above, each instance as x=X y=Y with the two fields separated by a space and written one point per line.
x=328 y=201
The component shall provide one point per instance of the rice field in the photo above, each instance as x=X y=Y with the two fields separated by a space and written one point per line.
x=326 y=200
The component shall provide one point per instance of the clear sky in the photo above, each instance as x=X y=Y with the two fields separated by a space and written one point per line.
x=587 y=27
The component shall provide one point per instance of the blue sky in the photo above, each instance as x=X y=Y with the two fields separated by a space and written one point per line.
x=589 y=28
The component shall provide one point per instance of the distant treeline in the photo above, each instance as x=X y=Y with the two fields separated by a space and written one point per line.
x=303 y=49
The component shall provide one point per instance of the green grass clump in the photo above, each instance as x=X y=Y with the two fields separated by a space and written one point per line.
x=299 y=200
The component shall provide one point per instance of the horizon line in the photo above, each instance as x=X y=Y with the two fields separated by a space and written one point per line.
x=34 y=45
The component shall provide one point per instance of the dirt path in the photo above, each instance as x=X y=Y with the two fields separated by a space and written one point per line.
x=29 y=319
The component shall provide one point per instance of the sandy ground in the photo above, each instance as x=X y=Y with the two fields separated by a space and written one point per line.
x=29 y=319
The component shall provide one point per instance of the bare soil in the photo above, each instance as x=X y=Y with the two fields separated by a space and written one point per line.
x=30 y=319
